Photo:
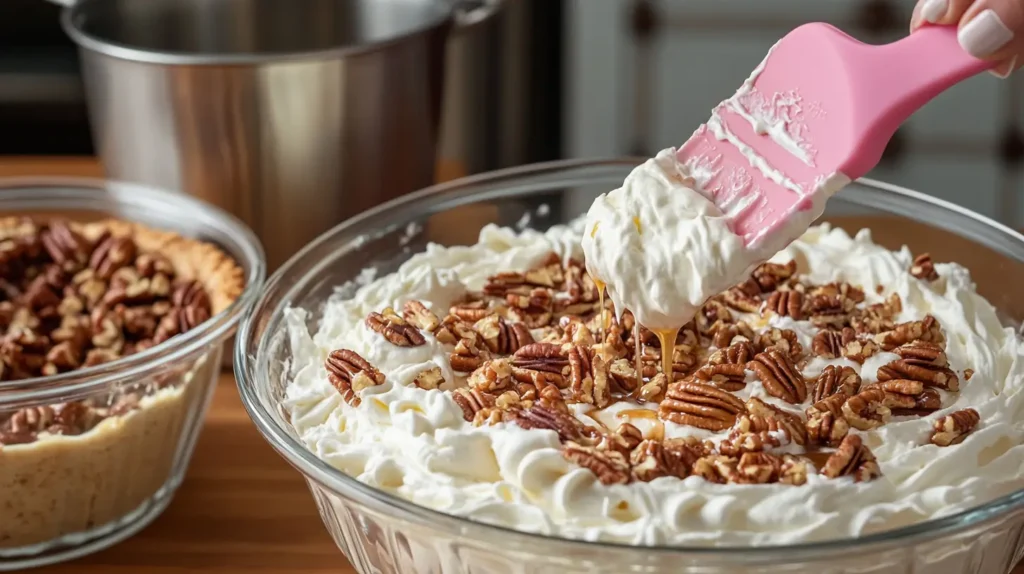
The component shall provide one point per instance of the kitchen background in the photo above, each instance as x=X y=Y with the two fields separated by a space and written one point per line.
x=584 y=78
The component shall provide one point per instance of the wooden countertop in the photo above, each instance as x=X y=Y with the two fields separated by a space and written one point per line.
x=241 y=508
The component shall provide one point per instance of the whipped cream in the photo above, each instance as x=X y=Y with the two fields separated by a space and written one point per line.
x=415 y=443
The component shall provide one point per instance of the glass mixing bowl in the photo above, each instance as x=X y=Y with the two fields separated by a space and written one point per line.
x=381 y=533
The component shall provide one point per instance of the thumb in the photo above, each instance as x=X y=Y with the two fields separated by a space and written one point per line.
x=994 y=30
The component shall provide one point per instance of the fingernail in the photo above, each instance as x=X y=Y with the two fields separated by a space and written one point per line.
x=933 y=10
x=1003 y=71
x=983 y=35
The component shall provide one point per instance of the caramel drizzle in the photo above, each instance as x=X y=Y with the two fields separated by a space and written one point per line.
x=657 y=431
x=667 y=338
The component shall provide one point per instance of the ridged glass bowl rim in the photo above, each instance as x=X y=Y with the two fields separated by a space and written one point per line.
x=507 y=184
x=123 y=200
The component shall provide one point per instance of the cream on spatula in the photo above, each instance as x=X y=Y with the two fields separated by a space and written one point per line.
x=814 y=115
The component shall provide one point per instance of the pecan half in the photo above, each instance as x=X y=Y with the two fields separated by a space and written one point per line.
x=66 y=247
x=739 y=353
x=924 y=362
x=548 y=357
x=350 y=373
x=779 y=375
x=852 y=458
x=771 y=276
x=30 y=420
x=728 y=377
x=783 y=340
x=954 y=427
x=699 y=405
x=624 y=376
x=785 y=304
x=590 y=377
x=112 y=254
x=926 y=330
x=395 y=329
x=416 y=314
x=866 y=410
x=834 y=380
x=467 y=356
x=829 y=343
x=713 y=311
x=923 y=268
x=829 y=310
x=501 y=336
x=473 y=402
x=471 y=310
x=540 y=417
x=610 y=467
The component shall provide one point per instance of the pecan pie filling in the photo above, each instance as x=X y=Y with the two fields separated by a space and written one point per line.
x=798 y=378
x=77 y=295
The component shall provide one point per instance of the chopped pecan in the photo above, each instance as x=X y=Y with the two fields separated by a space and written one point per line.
x=471 y=310
x=785 y=304
x=590 y=377
x=779 y=375
x=395 y=329
x=610 y=467
x=866 y=410
x=715 y=468
x=852 y=458
x=783 y=340
x=624 y=376
x=651 y=460
x=954 y=427
x=926 y=330
x=757 y=468
x=472 y=402
x=765 y=417
x=740 y=299
x=23 y=353
x=794 y=470
x=30 y=420
x=501 y=336
x=698 y=405
x=968 y=373
x=724 y=334
x=493 y=376
x=535 y=309
x=826 y=428
x=728 y=377
x=624 y=439
x=771 y=276
x=739 y=353
x=539 y=417
x=763 y=427
x=859 y=350
x=578 y=284
x=834 y=380
x=416 y=314
x=924 y=362
x=878 y=317
x=467 y=356
x=576 y=332
x=713 y=311
x=350 y=373
x=653 y=391
x=923 y=268
x=684 y=358
x=843 y=290
x=429 y=379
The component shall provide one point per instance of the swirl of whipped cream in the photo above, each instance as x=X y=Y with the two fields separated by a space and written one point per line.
x=415 y=443
x=660 y=246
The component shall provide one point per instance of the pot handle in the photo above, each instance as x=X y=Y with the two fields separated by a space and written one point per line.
x=465 y=12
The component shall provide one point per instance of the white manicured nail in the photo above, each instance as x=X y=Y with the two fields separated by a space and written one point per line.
x=933 y=10
x=1003 y=71
x=985 y=34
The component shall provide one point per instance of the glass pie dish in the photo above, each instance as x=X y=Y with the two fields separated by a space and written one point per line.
x=379 y=532
x=95 y=439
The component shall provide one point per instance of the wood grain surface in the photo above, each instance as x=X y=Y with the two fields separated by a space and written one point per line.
x=241 y=508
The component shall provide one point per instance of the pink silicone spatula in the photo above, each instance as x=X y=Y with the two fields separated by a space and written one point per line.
x=819 y=104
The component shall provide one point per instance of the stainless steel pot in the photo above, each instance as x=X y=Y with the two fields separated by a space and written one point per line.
x=291 y=114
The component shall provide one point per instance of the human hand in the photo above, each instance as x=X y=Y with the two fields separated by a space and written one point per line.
x=989 y=29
